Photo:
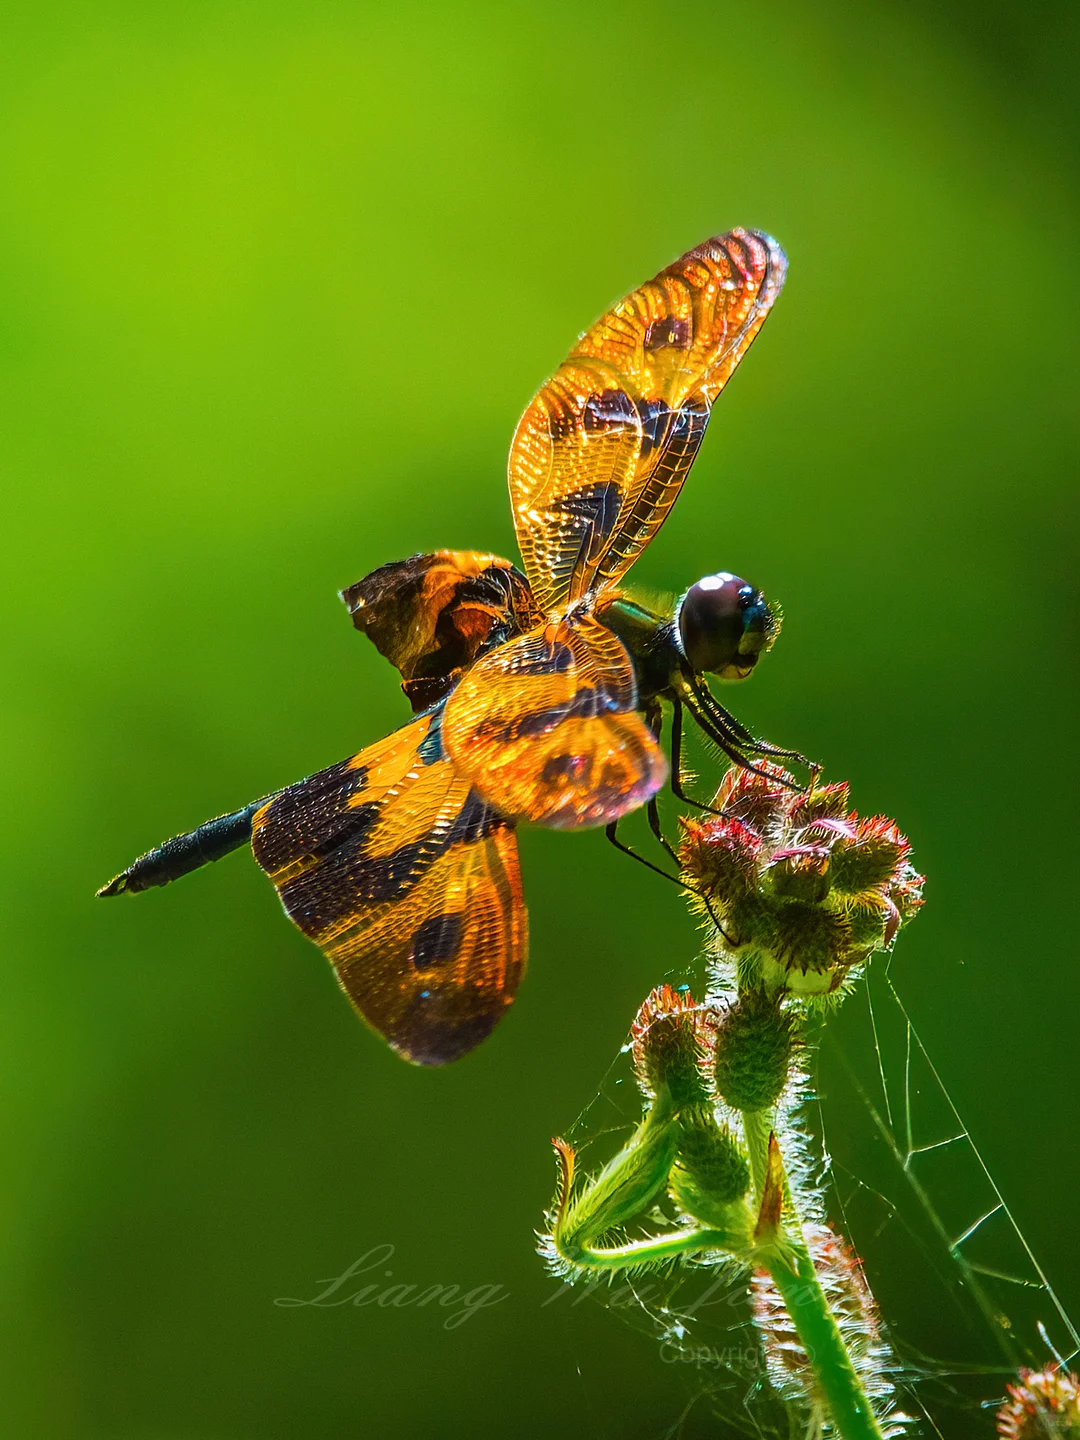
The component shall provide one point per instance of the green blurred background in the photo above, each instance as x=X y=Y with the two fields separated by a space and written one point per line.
x=275 y=283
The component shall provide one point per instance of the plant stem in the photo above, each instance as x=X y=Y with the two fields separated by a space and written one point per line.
x=834 y=1374
x=792 y=1271
x=694 y=1241
x=757 y=1127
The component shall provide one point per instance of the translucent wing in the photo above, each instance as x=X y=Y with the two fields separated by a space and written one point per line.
x=409 y=884
x=546 y=728
x=601 y=453
x=432 y=615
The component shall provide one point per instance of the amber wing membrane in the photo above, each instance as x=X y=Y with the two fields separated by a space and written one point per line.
x=433 y=615
x=601 y=453
x=409 y=883
x=546 y=728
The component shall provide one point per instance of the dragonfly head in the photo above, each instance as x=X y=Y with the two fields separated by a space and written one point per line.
x=724 y=624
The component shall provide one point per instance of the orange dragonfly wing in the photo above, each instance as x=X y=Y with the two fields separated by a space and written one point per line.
x=546 y=728
x=409 y=884
x=600 y=455
x=432 y=615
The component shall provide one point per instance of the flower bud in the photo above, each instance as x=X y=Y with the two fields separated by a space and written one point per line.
x=761 y=801
x=822 y=804
x=812 y=937
x=711 y=1173
x=710 y=1154
x=1044 y=1406
x=873 y=858
x=754 y=1041
x=721 y=856
x=672 y=1047
x=801 y=873
x=800 y=885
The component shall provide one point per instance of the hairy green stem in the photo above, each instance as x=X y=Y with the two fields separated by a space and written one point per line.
x=834 y=1374
x=792 y=1271
x=648 y=1251
x=757 y=1127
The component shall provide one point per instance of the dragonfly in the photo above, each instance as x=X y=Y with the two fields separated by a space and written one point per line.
x=538 y=695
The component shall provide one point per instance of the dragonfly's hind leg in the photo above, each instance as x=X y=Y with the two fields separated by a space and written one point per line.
x=654 y=718
x=679 y=880
x=611 y=833
x=677 y=774
x=653 y=813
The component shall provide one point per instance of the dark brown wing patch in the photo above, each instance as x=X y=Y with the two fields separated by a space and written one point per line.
x=433 y=615
x=409 y=884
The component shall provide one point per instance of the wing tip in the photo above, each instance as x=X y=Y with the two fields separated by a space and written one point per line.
x=429 y=1048
x=773 y=260
x=776 y=264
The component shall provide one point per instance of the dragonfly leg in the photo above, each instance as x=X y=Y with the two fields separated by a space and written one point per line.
x=611 y=833
x=612 y=836
x=653 y=812
x=654 y=718
x=733 y=738
x=677 y=787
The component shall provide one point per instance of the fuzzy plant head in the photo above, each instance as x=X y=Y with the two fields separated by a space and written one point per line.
x=802 y=889
x=754 y=1044
x=672 y=1047
x=711 y=1173
x=688 y=1055
x=1044 y=1405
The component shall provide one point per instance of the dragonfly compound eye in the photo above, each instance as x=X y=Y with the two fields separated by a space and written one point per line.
x=724 y=625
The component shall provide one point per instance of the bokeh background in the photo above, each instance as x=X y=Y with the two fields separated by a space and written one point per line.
x=275 y=283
